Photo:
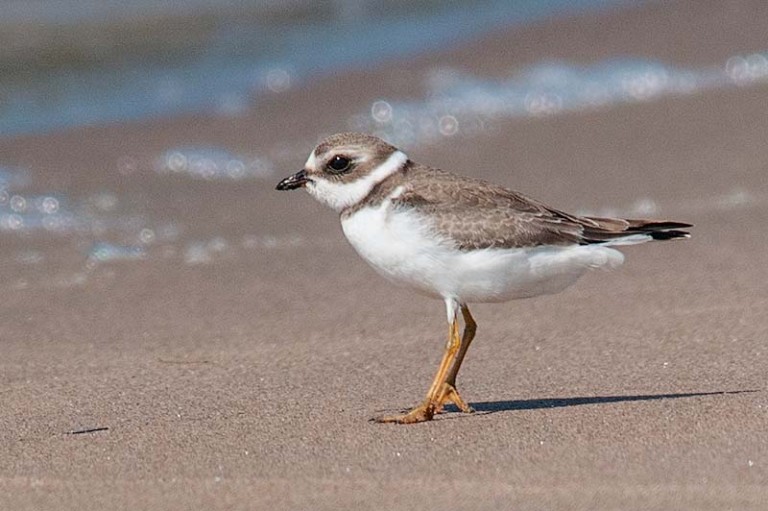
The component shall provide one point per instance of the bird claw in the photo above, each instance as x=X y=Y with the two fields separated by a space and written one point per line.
x=422 y=413
x=451 y=395
x=428 y=409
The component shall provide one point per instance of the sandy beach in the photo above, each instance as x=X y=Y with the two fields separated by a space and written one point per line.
x=243 y=375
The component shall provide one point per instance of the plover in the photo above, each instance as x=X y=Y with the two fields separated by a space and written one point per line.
x=458 y=239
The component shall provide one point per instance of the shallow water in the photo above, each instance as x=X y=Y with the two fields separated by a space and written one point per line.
x=212 y=163
x=107 y=228
x=458 y=103
x=113 y=228
x=199 y=55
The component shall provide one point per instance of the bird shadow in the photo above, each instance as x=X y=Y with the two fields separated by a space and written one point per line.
x=489 y=407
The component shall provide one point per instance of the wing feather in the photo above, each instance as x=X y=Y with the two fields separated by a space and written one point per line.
x=475 y=214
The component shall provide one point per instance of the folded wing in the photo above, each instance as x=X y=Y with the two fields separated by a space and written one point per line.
x=474 y=214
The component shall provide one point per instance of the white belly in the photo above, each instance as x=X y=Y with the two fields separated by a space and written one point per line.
x=401 y=247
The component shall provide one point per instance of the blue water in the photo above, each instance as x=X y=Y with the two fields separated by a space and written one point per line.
x=245 y=60
x=230 y=75
x=457 y=103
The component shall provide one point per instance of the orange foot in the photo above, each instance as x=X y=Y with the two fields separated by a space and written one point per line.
x=427 y=410
x=422 y=413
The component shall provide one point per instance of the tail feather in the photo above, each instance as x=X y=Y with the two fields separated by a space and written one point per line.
x=606 y=230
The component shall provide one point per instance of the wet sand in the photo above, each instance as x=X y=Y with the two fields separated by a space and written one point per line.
x=249 y=382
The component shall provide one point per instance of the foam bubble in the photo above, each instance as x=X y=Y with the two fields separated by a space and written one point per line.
x=147 y=235
x=448 y=125
x=278 y=80
x=210 y=163
x=455 y=99
x=49 y=205
x=18 y=204
x=381 y=111
x=102 y=252
x=22 y=213
x=745 y=70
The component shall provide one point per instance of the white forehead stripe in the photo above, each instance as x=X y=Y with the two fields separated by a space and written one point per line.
x=311 y=161
x=340 y=196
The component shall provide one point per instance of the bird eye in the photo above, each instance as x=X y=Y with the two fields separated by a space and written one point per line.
x=339 y=164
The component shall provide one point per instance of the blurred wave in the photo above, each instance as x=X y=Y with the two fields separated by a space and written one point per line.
x=75 y=62
x=459 y=103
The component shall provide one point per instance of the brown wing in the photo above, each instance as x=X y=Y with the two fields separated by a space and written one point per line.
x=475 y=215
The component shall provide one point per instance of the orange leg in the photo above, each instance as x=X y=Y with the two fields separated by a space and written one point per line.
x=433 y=401
x=450 y=394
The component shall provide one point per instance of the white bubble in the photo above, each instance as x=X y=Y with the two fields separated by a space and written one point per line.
x=211 y=163
x=147 y=236
x=176 y=162
x=235 y=168
x=645 y=85
x=4 y=196
x=50 y=205
x=540 y=103
x=203 y=167
x=261 y=167
x=736 y=68
x=381 y=111
x=758 y=65
x=18 y=203
x=543 y=90
x=12 y=222
x=278 y=80
x=448 y=125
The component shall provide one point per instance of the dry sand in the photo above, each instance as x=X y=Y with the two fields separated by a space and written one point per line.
x=249 y=383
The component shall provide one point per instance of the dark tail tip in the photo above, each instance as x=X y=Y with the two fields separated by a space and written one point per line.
x=660 y=229
x=669 y=235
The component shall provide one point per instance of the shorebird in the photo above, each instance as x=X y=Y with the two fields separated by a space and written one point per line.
x=458 y=239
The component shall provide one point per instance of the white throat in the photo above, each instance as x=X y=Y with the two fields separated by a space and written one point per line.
x=340 y=196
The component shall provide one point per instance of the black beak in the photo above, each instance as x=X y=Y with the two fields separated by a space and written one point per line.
x=297 y=180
